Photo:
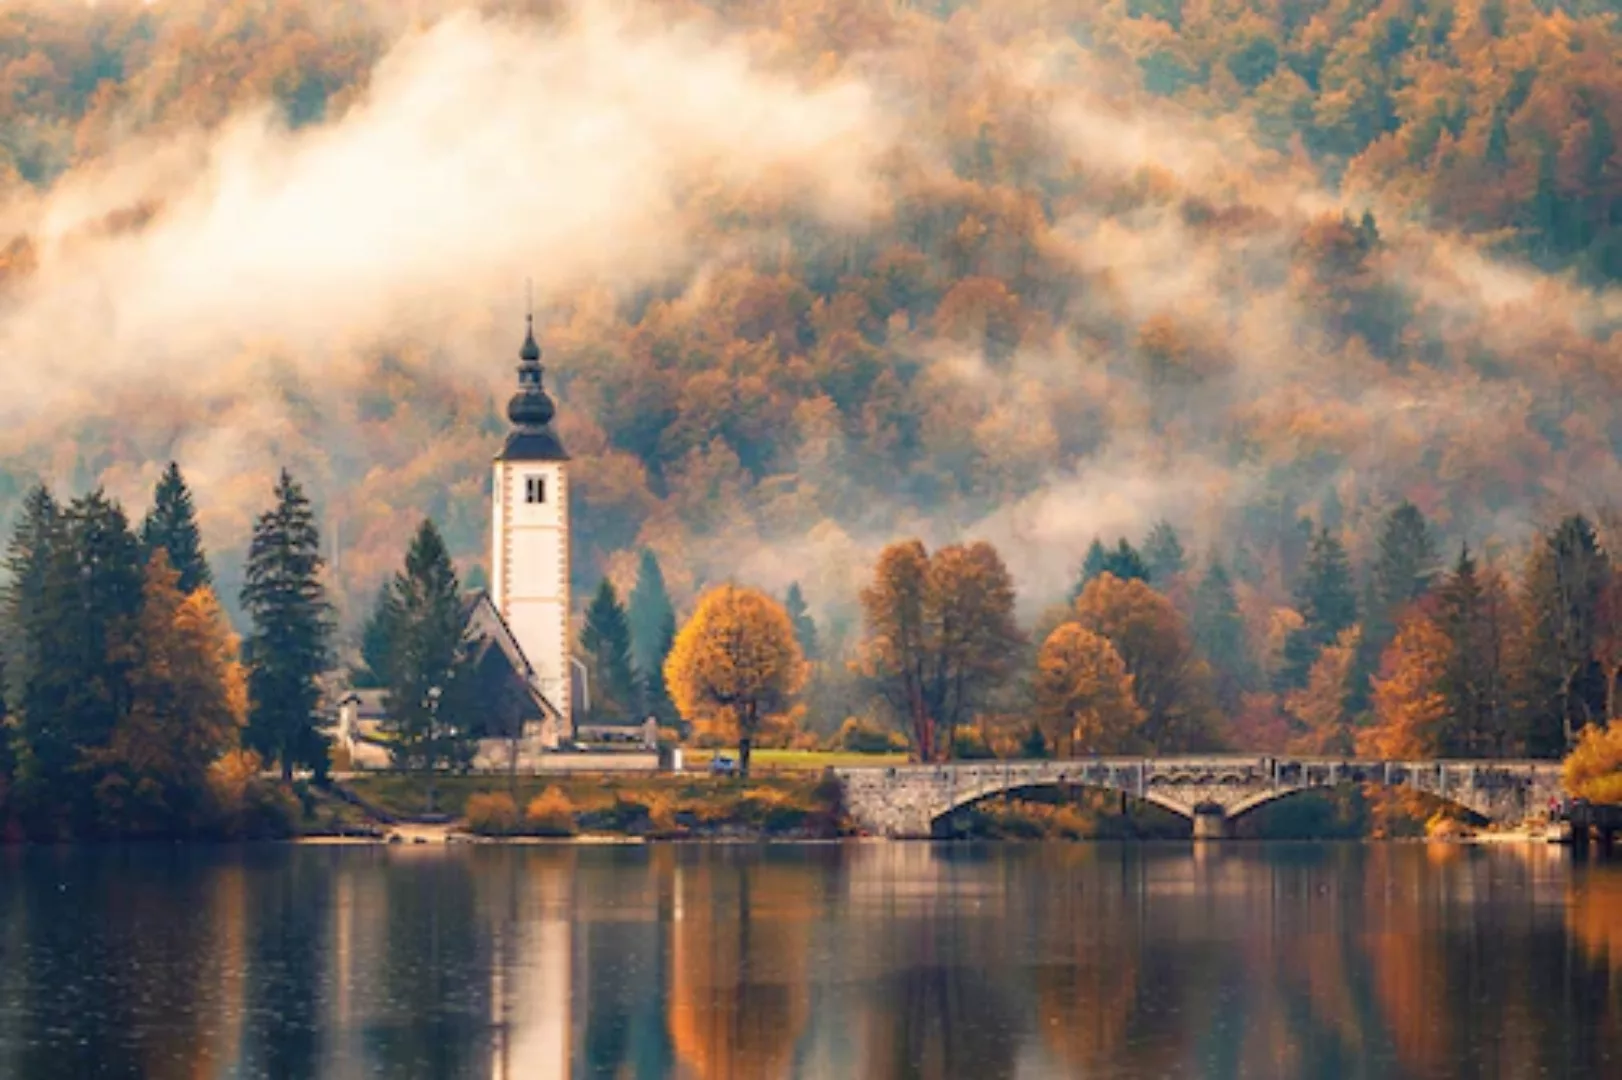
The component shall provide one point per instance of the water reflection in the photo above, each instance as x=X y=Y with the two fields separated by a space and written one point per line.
x=867 y=961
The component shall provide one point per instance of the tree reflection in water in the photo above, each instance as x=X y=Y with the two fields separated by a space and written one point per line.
x=879 y=962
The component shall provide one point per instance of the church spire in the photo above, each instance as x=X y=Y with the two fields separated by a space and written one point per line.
x=531 y=408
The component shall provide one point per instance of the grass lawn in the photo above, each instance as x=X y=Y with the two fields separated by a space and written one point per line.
x=793 y=760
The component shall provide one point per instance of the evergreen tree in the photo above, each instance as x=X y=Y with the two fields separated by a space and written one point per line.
x=655 y=693
x=1403 y=571
x=1564 y=686
x=1123 y=561
x=1163 y=553
x=1325 y=598
x=1219 y=634
x=427 y=668
x=375 y=642
x=649 y=608
x=171 y=525
x=805 y=628
x=288 y=649
x=606 y=641
x=74 y=603
x=1473 y=612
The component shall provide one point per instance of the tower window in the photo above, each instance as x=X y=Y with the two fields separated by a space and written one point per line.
x=534 y=489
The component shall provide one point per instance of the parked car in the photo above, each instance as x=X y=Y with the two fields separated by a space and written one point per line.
x=721 y=765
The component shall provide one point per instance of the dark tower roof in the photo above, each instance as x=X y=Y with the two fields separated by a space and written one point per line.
x=531 y=409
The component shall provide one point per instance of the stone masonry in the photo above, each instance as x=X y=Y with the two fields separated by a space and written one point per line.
x=906 y=800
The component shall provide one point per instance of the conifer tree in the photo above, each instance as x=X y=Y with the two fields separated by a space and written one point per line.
x=647 y=613
x=375 y=643
x=1219 y=634
x=606 y=641
x=1123 y=561
x=805 y=628
x=427 y=667
x=1163 y=554
x=1327 y=603
x=1472 y=611
x=289 y=648
x=656 y=700
x=1403 y=572
x=1563 y=685
x=171 y=525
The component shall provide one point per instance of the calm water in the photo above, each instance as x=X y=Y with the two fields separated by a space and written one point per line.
x=863 y=962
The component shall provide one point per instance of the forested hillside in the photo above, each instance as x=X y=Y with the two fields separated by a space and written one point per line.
x=813 y=275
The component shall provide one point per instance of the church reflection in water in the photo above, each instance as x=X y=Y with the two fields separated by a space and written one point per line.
x=864 y=961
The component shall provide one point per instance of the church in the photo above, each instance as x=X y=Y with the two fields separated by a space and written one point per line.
x=532 y=685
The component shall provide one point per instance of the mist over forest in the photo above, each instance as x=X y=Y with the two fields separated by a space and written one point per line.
x=814 y=275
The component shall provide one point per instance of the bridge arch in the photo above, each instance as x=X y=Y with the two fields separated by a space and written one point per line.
x=1211 y=790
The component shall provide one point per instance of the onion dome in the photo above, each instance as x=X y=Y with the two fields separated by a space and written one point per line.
x=531 y=409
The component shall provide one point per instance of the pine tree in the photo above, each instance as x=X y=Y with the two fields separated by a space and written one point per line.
x=606 y=641
x=1472 y=612
x=1219 y=634
x=171 y=525
x=289 y=647
x=427 y=666
x=649 y=608
x=1123 y=561
x=375 y=642
x=1564 y=689
x=1327 y=603
x=1163 y=553
x=655 y=693
x=1403 y=572
x=805 y=628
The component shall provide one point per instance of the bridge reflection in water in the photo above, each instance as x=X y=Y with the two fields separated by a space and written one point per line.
x=812 y=962
x=906 y=801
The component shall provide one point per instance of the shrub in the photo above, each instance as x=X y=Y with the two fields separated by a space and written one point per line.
x=1594 y=769
x=550 y=814
x=492 y=813
x=244 y=804
x=860 y=736
x=662 y=815
x=970 y=745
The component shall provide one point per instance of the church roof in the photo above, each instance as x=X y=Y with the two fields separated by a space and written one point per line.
x=483 y=623
x=531 y=409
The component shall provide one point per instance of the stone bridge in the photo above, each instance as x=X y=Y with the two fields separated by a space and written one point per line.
x=906 y=800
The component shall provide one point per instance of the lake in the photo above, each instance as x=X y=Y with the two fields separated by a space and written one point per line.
x=848 y=962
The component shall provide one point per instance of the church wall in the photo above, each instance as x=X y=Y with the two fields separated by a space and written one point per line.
x=530 y=576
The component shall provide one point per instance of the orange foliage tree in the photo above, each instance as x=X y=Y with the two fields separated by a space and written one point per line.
x=940 y=634
x=1411 y=712
x=1171 y=683
x=734 y=663
x=189 y=700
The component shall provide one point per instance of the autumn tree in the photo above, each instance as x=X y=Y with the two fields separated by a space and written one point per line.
x=1322 y=708
x=1411 y=716
x=734 y=664
x=606 y=642
x=1084 y=695
x=288 y=649
x=428 y=671
x=1171 y=683
x=188 y=702
x=171 y=525
x=1593 y=769
x=939 y=634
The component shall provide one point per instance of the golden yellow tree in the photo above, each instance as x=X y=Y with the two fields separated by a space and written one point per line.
x=1593 y=770
x=1084 y=699
x=189 y=700
x=734 y=663
x=1410 y=710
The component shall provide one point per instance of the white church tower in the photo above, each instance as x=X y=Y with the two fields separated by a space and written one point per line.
x=529 y=534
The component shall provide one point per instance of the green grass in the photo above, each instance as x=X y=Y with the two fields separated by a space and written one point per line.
x=794 y=760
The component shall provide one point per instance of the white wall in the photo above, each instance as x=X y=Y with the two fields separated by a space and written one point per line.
x=530 y=570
